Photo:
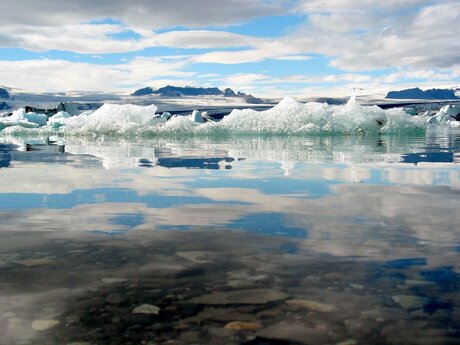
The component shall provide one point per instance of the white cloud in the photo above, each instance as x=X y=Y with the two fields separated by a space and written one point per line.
x=54 y=75
x=246 y=80
x=372 y=35
x=150 y=14
x=204 y=39
x=98 y=39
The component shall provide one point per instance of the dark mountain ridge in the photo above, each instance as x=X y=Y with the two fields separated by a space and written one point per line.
x=178 y=91
x=4 y=94
x=417 y=93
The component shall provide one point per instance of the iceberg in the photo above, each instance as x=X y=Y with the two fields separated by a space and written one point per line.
x=112 y=118
x=58 y=119
x=289 y=117
x=447 y=115
x=21 y=118
x=197 y=117
x=292 y=117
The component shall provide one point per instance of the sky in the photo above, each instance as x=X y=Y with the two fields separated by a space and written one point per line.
x=270 y=48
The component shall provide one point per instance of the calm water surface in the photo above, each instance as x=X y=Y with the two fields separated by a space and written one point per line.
x=241 y=240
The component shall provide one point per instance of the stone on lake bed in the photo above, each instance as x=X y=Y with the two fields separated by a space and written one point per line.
x=248 y=296
x=415 y=283
x=43 y=325
x=243 y=326
x=313 y=305
x=35 y=262
x=116 y=298
x=112 y=280
x=347 y=342
x=410 y=302
x=296 y=332
x=147 y=309
x=195 y=256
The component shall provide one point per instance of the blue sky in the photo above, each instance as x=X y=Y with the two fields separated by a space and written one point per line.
x=268 y=48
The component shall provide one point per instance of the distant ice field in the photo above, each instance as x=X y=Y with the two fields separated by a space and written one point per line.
x=289 y=117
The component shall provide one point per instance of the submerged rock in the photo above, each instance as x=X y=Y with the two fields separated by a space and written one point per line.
x=243 y=326
x=116 y=298
x=35 y=262
x=195 y=256
x=252 y=296
x=43 y=325
x=147 y=309
x=312 y=305
x=295 y=332
x=111 y=280
x=410 y=302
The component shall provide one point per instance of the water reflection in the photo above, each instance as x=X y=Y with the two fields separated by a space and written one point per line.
x=328 y=240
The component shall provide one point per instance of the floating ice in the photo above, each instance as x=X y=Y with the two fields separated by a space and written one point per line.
x=58 y=119
x=197 y=117
x=447 y=115
x=23 y=119
x=112 y=118
x=289 y=117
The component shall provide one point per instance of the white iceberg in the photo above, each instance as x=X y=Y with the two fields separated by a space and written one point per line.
x=447 y=115
x=23 y=119
x=58 y=119
x=197 y=117
x=112 y=118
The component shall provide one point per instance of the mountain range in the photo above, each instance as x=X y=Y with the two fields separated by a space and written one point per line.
x=417 y=93
x=4 y=94
x=177 y=91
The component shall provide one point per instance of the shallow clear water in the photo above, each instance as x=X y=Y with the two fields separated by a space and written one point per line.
x=311 y=240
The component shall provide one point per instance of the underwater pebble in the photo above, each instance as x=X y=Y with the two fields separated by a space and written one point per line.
x=116 y=298
x=410 y=302
x=253 y=296
x=312 y=305
x=347 y=342
x=43 y=325
x=146 y=309
x=114 y=280
x=35 y=262
x=243 y=326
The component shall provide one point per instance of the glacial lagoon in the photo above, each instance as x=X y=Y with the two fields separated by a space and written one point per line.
x=239 y=239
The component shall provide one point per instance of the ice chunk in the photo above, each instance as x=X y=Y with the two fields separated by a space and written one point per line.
x=21 y=115
x=112 y=118
x=58 y=119
x=68 y=107
x=445 y=115
x=166 y=116
x=410 y=111
x=290 y=117
x=22 y=119
x=197 y=117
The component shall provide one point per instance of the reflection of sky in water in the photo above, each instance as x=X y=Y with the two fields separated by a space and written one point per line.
x=271 y=185
x=14 y=201
x=335 y=189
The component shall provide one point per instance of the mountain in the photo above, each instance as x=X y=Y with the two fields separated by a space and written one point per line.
x=4 y=93
x=229 y=93
x=417 y=93
x=177 y=91
x=143 y=92
x=4 y=106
